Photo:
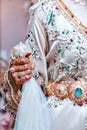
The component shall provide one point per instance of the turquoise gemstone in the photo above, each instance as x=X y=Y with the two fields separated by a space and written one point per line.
x=78 y=92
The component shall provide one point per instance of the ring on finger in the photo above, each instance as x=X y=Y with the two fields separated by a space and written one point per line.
x=20 y=74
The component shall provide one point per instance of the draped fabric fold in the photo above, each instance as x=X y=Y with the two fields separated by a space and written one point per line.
x=33 y=113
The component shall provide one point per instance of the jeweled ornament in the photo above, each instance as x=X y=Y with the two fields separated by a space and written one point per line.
x=78 y=92
x=60 y=90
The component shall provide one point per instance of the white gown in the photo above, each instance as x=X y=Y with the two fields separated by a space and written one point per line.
x=64 y=114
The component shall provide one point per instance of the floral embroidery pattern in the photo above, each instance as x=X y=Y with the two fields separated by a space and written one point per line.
x=36 y=56
x=47 y=18
x=34 y=47
x=70 y=46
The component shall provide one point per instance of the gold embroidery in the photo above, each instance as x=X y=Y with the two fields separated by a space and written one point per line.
x=71 y=16
x=76 y=91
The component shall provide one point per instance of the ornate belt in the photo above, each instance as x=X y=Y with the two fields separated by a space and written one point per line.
x=75 y=91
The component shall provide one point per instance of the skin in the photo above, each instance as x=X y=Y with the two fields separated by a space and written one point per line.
x=6 y=119
x=23 y=65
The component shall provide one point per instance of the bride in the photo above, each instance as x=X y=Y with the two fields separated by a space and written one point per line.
x=57 y=43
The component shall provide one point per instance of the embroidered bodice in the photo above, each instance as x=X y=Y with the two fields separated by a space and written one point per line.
x=66 y=56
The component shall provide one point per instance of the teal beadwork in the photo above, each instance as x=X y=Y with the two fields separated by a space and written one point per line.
x=51 y=16
x=59 y=50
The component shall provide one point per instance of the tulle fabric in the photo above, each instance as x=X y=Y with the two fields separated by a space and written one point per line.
x=33 y=113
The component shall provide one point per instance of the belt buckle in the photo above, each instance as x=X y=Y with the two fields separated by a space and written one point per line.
x=61 y=90
x=78 y=91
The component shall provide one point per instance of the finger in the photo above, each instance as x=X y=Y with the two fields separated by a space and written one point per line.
x=23 y=79
x=28 y=54
x=20 y=68
x=20 y=61
x=21 y=74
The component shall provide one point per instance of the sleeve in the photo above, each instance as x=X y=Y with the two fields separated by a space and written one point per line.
x=37 y=43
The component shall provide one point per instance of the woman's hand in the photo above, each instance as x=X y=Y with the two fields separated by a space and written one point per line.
x=21 y=69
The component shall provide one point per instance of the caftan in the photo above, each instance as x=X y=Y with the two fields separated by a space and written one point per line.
x=59 y=50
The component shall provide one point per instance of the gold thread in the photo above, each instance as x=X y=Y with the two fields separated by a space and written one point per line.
x=72 y=16
x=10 y=88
